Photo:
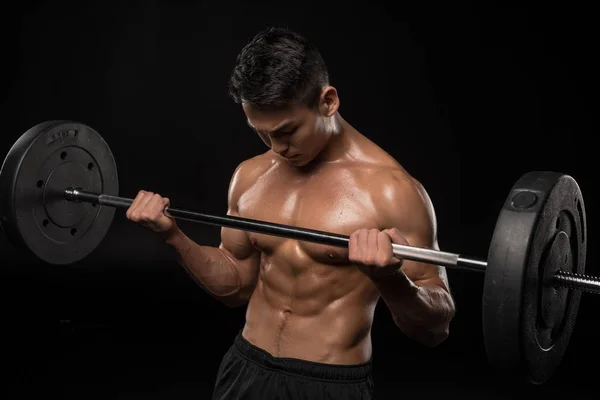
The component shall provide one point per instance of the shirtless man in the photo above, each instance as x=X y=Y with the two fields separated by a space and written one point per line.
x=310 y=307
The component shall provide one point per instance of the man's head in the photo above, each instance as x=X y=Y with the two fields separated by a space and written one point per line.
x=282 y=83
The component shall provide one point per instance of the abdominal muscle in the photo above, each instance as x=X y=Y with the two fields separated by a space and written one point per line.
x=304 y=309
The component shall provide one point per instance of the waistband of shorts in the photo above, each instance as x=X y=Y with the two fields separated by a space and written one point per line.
x=309 y=369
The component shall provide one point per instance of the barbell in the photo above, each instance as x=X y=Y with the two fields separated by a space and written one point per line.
x=59 y=191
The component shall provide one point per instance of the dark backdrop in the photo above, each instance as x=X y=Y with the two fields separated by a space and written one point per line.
x=466 y=96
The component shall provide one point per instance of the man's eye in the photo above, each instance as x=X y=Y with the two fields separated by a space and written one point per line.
x=289 y=132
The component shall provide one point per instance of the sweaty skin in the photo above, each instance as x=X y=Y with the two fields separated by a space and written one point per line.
x=310 y=302
x=307 y=300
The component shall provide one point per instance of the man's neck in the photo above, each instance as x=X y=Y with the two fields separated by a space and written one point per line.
x=335 y=150
x=337 y=147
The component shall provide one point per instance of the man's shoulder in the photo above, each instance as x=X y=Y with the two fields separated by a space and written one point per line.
x=394 y=191
x=378 y=166
x=248 y=172
x=384 y=174
x=254 y=165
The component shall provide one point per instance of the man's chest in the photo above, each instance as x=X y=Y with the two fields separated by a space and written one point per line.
x=337 y=202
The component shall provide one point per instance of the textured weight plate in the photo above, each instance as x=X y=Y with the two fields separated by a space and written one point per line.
x=47 y=159
x=527 y=321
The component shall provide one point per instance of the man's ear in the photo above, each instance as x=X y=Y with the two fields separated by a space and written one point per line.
x=329 y=101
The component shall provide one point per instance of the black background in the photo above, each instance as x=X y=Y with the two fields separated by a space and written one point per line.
x=466 y=96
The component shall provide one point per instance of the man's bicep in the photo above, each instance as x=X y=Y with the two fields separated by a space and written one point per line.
x=422 y=273
x=416 y=221
x=235 y=243
x=237 y=246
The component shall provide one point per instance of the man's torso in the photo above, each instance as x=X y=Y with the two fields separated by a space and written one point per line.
x=309 y=301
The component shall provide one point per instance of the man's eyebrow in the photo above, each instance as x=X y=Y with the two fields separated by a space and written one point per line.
x=279 y=127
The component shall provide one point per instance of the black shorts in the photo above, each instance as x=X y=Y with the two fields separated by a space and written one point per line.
x=248 y=372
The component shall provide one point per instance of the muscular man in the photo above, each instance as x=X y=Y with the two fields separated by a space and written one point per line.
x=310 y=307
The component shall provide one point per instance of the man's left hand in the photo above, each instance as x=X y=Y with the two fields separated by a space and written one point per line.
x=371 y=251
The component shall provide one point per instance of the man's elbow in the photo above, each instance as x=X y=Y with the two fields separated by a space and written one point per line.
x=430 y=332
x=237 y=299
x=426 y=336
x=439 y=333
x=232 y=303
x=434 y=339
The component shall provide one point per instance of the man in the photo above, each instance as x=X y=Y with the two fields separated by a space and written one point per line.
x=310 y=307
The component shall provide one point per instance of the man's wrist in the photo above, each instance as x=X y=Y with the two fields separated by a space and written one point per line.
x=172 y=237
x=387 y=273
x=382 y=275
x=396 y=280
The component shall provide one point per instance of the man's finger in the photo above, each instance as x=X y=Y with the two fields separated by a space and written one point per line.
x=372 y=244
x=396 y=236
x=361 y=243
x=385 y=249
x=353 y=246
x=135 y=203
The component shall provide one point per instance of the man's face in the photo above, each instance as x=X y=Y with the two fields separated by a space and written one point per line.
x=296 y=133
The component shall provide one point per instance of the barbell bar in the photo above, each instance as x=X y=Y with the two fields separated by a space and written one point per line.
x=440 y=258
x=285 y=231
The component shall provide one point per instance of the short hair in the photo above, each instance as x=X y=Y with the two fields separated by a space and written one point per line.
x=276 y=68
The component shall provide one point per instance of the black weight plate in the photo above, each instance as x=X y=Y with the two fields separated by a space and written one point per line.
x=527 y=321
x=47 y=159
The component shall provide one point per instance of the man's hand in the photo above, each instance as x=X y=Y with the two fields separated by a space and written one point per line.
x=147 y=210
x=371 y=250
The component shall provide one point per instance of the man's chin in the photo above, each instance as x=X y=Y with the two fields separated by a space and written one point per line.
x=296 y=161
x=300 y=162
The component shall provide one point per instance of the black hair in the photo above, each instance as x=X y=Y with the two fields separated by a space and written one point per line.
x=276 y=68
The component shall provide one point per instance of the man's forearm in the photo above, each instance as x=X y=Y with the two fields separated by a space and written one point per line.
x=209 y=266
x=423 y=312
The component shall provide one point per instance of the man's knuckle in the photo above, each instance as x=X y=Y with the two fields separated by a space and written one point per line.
x=386 y=261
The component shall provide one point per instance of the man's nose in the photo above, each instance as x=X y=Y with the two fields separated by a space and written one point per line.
x=279 y=147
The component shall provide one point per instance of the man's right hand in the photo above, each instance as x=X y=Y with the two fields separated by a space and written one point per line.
x=147 y=210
